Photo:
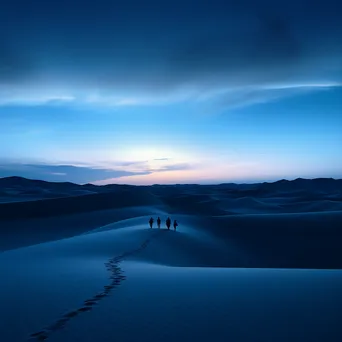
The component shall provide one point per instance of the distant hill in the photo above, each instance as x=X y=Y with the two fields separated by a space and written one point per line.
x=314 y=185
x=22 y=198
x=317 y=184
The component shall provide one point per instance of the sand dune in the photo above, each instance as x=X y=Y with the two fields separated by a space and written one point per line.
x=25 y=232
x=244 y=265
x=100 y=285
x=72 y=205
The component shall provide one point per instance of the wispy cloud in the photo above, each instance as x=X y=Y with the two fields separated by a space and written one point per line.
x=172 y=167
x=33 y=95
x=84 y=174
x=321 y=85
x=228 y=97
x=233 y=98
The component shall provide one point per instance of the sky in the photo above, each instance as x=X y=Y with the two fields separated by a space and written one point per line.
x=147 y=92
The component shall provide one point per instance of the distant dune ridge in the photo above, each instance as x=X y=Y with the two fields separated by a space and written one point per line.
x=55 y=199
x=270 y=253
x=230 y=210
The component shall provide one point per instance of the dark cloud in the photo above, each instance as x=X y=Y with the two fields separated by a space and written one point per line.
x=263 y=46
x=257 y=45
x=157 y=47
x=62 y=173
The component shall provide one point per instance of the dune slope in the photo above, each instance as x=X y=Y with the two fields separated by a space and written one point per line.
x=115 y=284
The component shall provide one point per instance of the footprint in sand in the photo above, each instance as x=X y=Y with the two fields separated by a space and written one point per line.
x=71 y=314
x=90 y=302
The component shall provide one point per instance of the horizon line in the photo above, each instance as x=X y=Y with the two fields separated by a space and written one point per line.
x=174 y=184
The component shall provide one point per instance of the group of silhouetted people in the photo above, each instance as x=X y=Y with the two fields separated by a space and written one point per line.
x=168 y=223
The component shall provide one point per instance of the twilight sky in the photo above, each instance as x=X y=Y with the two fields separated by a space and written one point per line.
x=144 y=92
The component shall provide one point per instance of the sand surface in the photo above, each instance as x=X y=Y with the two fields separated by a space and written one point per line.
x=246 y=264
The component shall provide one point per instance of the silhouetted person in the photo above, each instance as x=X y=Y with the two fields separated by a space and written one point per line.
x=168 y=223
x=175 y=224
x=151 y=222
x=158 y=222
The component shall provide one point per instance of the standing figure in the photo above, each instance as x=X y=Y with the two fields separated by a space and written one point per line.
x=158 y=222
x=175 y=224
x=151 y=222
x=168 y=223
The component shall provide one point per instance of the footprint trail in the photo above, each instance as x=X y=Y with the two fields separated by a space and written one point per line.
x=116 y=279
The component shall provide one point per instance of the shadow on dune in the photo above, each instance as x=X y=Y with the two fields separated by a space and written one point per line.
x=306 y=241
x=72 y=205
x=193 y=204
x=309 y=240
